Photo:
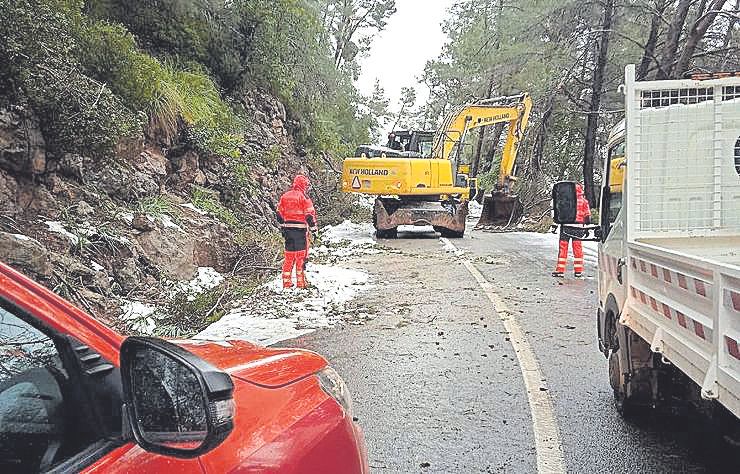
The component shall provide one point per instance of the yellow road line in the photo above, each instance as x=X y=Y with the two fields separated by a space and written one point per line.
x=546 y=433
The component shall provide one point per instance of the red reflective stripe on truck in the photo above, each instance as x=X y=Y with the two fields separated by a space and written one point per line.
x=735 y=298
x=699 y=330
x=732 y=347
x=682 y=281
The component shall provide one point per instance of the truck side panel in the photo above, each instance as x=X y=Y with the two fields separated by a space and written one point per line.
x=688 y=309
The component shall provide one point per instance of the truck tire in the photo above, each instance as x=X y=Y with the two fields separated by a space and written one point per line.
x=625 y=407
x=386 y=234
x=618 y=353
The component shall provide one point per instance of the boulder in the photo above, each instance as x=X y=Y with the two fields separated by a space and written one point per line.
x=170 y=250
x=141 y=222
x=152 y=161
x=25 y=254
x=128 y=275
x=72 y=166
x=120 y=182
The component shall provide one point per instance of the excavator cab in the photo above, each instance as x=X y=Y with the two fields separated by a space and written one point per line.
x=417 y=143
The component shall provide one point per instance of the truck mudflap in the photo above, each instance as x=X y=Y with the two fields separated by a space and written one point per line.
x=441 y=215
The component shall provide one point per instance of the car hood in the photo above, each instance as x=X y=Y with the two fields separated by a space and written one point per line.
x=255 y=364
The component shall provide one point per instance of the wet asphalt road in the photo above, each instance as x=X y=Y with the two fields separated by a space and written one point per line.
x=436 y=383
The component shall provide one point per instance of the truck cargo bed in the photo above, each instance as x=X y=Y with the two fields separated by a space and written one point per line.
x=723 y=250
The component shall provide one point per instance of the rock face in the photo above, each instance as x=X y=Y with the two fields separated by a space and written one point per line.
x=124 y=226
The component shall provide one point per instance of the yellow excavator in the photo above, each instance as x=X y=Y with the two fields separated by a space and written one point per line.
x=422 y=185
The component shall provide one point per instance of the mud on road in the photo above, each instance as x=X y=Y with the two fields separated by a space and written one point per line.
x=437 y=384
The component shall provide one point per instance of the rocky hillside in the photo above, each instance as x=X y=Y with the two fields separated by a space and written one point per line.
x=110 y=233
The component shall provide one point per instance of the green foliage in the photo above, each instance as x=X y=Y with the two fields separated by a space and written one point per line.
x=290 y=58
x=207 y=201
x=167 y=94
x=38 y=63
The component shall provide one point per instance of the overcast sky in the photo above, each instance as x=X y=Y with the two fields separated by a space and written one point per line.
x=413 y=36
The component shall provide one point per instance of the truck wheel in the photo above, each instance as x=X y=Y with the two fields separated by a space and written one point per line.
x=623 y=404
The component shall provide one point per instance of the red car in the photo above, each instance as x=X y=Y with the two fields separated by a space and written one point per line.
x=76 y=396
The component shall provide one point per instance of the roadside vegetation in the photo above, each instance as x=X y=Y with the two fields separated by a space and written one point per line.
x=570 y=56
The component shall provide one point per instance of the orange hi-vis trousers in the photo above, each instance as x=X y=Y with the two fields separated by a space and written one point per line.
x=295 y=260
x=577 y=256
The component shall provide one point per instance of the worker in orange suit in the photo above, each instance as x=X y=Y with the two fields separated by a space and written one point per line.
x=574 y=233
x=297 y=218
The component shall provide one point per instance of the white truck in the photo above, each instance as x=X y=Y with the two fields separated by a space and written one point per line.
x=669 y=258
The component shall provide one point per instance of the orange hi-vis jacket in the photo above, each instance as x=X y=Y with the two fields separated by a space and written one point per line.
x=295 y=208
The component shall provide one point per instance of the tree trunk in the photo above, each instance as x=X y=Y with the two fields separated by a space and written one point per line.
x=648 y=54
x=498 y=130
x=668 y=56
x=541 y=137
x=698 y=30
x=593 y=116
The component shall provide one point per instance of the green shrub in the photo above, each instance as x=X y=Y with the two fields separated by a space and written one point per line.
x=168 y=94
x=38 y=64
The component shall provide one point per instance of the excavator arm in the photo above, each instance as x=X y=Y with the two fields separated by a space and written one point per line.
x=512 y=109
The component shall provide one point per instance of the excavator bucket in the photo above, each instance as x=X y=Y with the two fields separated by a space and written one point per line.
x=500 y=209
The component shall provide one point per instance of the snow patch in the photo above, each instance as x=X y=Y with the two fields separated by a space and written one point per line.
x=349 y=233
x=275 y=314
x=191 y=206
x=23 y=238
x=96 y=266
x=168 y=223
x=206 y=279
x=58 y=228
x=475 y=210
x=127 y=217
x=140 y=316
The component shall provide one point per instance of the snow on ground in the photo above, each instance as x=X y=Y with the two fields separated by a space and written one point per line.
x=144 y=317
x=346 y=240
x=474 y=210
x=207 y=278
x=192 y=207
x=58 y=228
x=141 y=316
x=274 y=314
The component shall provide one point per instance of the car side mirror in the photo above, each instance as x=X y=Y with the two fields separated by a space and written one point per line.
x=564 y=202
x=176 y=403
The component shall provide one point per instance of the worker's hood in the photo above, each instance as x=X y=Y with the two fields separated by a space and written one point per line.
x=579 y=191
x=301 y=183
x=255 y=364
